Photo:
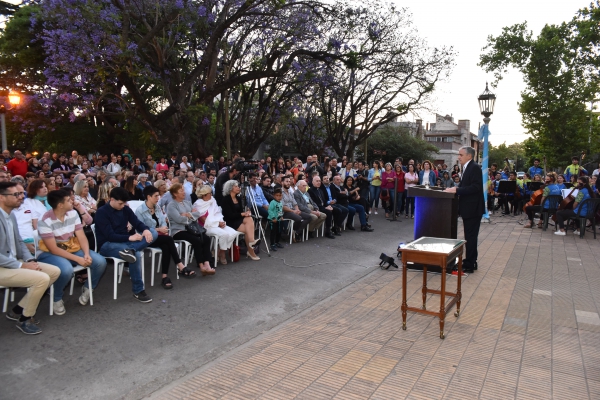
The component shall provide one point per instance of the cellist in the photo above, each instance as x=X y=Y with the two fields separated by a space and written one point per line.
x=551 y=188
x=585 y=192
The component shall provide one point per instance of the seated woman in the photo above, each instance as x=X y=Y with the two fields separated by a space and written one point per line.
x=83 y=196
x=152 y=216
x=161 y=186
x=135 y=193
x=236 y=217
x=179 y=212
x=104 y=194
x=211 y=217
x=585 y=192
x=354 y=196
x=143 y=181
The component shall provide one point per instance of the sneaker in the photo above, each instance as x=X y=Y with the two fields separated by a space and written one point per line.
x=273 y=247
x=15 y=317
x=279 y=245
x=375 y=212
x=369 y=211
x=128 y=255
x=59 y=308
x=576 y=232
x=28 y=327
x=85 y=296
x=142 y=297
x=559 y=233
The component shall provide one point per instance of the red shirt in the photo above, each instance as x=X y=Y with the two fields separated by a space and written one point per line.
x=400 y=176
x=17 y=167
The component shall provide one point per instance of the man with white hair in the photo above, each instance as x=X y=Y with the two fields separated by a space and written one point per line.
x=308 y=206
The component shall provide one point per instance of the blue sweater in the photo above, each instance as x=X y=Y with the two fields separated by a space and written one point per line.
x=111 y=224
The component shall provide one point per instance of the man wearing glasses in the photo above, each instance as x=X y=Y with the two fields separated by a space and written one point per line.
x=18 y=267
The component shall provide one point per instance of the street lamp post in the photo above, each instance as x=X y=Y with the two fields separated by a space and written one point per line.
x=14 y=99
x=487 y=100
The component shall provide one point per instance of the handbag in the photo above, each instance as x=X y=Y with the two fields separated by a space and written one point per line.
x=236 y=253
x=72 y=245
x=195 y=229
x=384 y=195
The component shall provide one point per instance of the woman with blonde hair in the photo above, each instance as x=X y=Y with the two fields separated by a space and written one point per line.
x=82 y=195
x=104 y=193
x=180 y=213
x=211 y=217
x=161 y=186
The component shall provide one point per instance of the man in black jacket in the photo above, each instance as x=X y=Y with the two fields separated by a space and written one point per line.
x=471 y=205
x=316 y=194
x=231 y=173
x=339 y=212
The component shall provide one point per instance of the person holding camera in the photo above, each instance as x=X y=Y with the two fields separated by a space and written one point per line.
x=230 y=174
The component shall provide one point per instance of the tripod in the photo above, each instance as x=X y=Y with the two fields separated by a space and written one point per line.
x=396 y=194
x=244 y=189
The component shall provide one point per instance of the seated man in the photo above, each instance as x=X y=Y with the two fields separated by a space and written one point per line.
x=341 y=194
x=339 y=212
x=65 y=245
x=114 y=239
x=291 y=210
x=254 y=195
x=18 y=267
x=308 y=206
x=317 y=195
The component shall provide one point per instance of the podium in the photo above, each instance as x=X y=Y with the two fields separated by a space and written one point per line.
x=436 y=212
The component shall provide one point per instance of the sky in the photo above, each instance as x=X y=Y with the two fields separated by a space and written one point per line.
x=465 y=25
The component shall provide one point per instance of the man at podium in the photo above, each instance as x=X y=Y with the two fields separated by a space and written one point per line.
x=471 y=205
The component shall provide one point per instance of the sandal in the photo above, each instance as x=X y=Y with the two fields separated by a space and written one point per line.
x=166 y=283
x=527 y=226
x=186 y=273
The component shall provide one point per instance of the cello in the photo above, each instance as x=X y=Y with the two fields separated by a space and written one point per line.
x=567 y=203
x=536 y=197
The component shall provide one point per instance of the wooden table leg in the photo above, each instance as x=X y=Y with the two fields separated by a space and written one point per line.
x=404 y=305
x=458 y=282
x=443 y=301
x=424 y=289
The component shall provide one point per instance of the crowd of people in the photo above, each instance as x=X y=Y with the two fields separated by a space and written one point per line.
x=60 y=212
x=532 y=191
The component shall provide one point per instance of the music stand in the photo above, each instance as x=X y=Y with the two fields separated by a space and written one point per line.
x=508 y=187
x=533 y=186
x=568 y=185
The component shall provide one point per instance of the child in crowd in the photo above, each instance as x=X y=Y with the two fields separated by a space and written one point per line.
x=275 y=218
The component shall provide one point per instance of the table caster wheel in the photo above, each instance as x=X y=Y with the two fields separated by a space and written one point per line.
x=403 y=327
x=456 y=314
x=442 y=335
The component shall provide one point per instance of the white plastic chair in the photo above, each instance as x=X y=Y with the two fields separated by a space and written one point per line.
x=6 y=295
x=134 y=204
x=36 y=239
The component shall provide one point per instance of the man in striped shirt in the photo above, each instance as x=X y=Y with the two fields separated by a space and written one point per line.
x=56 y=228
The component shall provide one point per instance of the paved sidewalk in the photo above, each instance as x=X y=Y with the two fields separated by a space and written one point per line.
x=529 y=328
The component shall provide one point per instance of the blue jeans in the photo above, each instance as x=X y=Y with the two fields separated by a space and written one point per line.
x=111 y=249
x=66 y=270
x=374 y=192
x=358 y=209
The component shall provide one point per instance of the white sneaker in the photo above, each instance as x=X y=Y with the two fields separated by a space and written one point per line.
x=375 y=212
x=576 y=232
x=370 y=212
x=559 y=233
x=59 y=308
x=85 y=296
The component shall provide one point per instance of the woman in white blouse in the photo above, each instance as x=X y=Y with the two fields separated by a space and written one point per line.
x=211 y=218
x=82 y=195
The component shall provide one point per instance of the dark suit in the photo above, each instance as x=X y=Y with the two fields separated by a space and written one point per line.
x=340 y=212
x=316 y=194
x=471 y=208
